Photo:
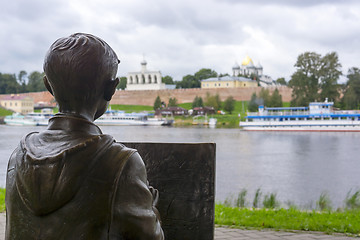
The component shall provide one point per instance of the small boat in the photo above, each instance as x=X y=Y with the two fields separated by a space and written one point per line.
x=204 y=120
x=120 y=118
x=319 y=116
x=200 y=120
x=212 y=122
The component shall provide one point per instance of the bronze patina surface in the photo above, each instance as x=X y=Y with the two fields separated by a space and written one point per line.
x=71 y=181
x=184 y=174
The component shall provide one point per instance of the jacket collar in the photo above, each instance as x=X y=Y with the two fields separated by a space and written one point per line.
x=72 y=122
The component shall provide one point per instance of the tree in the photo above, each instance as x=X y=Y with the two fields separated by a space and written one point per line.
x=8 y=84
x=188 y=81
x=122 y=83
x=281 y=81
x=213 y=101
x=193 y=81
x=36 y=83
x=198 y=102
x=264 y=96
x=229 y=104
x=275 y=99
x=330 y=73
x=205 y=73
x=315 y=78
x=223 y=74
x=173 y=102
x=22 y=81
x=21 y=77
x=157 y=103
x=305 y=81
x=253 y=105
x=351 y=98
x=167 y=80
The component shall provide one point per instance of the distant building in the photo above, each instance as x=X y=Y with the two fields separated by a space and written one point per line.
x=17 y=103
x=144 y=79
x=203 y=110
x=248 y=68
x=228 y=82
x=171 y=111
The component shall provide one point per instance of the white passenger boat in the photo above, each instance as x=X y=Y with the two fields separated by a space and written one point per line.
x=319 y=116
x=30 y=119
x=120 y=118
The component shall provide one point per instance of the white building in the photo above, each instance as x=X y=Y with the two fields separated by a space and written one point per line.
x=145 y=79
x=248 y=68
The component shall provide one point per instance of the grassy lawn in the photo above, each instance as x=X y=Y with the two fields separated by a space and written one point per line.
x=2 y=199
x=187 y=106
x=4 y=112
x=289 y=219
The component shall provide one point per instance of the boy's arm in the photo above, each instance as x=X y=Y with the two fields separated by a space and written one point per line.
x=134 y=213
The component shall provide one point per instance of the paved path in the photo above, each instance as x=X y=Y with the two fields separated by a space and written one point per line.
x=238 y=234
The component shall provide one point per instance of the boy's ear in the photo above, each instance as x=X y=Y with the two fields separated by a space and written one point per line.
x=47 y=85
x=110 y=88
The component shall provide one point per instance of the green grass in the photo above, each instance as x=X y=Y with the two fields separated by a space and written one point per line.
x=187 y=106
x=4 y=112
x=2 y=199
x=289 y=219
x=286 y=104
x=55 y=110
x=227 y=120
x=132 y=108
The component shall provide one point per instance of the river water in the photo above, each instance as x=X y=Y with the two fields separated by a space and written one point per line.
x=297 y=166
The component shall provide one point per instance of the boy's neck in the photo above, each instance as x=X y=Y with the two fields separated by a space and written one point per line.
x=82 y=114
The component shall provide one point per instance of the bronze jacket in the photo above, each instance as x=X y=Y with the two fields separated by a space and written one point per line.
x=73 y=182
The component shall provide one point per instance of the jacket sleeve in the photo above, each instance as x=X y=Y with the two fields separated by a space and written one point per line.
x=134 y=213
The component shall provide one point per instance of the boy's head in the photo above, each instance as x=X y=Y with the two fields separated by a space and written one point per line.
x=80 y=72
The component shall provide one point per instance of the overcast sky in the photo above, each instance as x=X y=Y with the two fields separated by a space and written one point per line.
x=178 y=37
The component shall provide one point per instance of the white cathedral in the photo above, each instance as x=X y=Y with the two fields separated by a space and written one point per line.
x=145 y=79
x=248 y=68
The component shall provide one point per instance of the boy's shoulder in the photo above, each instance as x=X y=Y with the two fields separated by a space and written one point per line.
x=118 y=150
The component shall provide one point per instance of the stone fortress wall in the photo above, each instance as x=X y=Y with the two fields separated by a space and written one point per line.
x=147 y=97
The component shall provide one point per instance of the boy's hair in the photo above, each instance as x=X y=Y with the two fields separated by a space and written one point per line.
x=78 y=66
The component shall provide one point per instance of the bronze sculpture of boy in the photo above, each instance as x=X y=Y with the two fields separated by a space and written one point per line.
x=71 y=181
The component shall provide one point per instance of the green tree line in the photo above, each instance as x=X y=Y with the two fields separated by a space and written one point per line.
x=316 y=78
x=21 y=83
x=210 y=101
x=266 y=99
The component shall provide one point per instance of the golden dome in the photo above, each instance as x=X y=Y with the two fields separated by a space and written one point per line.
x=247 y=60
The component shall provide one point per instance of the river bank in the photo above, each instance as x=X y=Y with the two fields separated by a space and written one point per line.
x=223 y=121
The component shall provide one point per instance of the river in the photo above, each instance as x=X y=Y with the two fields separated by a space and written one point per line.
x=297 y=166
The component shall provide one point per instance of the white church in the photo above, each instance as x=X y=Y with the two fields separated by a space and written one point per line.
x=144 y=79
x=248 y=67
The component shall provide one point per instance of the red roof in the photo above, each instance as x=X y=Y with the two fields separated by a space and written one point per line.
x=14 y=97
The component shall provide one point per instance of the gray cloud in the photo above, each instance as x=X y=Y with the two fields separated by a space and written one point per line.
x=180 y=37
x=293 y=3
